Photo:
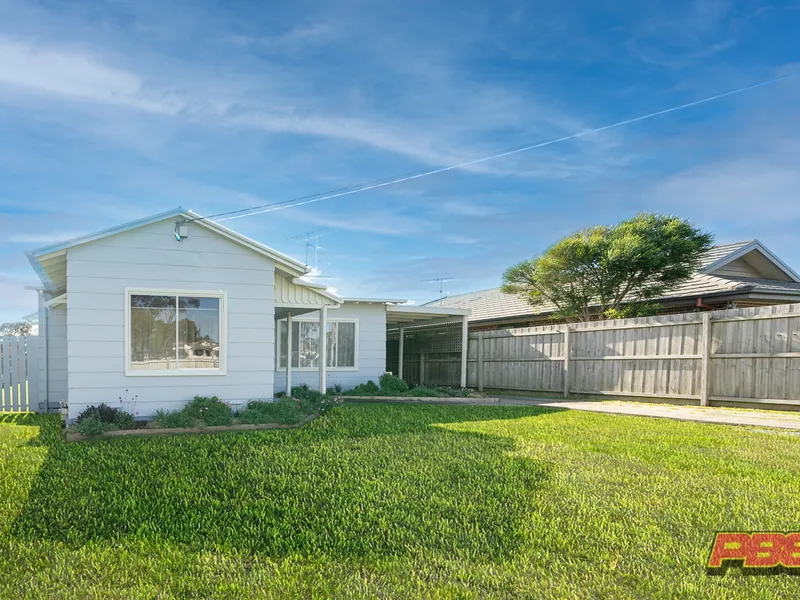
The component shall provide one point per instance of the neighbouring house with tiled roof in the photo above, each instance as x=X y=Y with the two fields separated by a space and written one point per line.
x=730 y=276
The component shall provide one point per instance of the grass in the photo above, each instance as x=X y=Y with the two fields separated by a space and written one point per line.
x=394 y=501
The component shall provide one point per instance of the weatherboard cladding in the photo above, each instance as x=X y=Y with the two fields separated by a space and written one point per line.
x=492 y=304
x=149 y=257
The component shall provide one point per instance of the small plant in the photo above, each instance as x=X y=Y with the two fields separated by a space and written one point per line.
x=102 y=412
x=303 y=392
x=91 y=425
x=329 y=403
x=336 y=388
x=423 y=392
x=392 y=385
x=365 y=389
x=125 y=420
x=112 y=418
x=171 y=419
x=210 y=410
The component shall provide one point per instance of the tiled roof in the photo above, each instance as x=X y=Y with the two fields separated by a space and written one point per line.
x=493 y=304
x=718 y=252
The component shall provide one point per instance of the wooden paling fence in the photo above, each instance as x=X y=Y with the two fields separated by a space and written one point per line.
x=20 y=373
x=749 y=355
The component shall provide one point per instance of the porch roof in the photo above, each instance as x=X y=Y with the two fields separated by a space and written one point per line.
x=410 y=315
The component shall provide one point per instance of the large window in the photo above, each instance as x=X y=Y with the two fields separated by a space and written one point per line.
x=175 y=333
x=342 y=344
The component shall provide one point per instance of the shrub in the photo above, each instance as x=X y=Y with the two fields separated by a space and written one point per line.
x=91 y=425
x=392 y=385
x=304 y=393
x=125 y=420
x=288 y=411
x=102 y=412
x=172 y=419
x=336 y=388
x=210 y=410
x=365 y=389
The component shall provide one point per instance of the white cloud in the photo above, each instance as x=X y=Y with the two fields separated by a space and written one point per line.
x=69 y=74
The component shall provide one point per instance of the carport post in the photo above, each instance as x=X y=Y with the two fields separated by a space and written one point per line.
x=464 y=346
x=567 y=357
x=400 y=352
x=288 y=353
x=323 y=349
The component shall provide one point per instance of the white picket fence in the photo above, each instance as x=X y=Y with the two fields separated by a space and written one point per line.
x=20 y=373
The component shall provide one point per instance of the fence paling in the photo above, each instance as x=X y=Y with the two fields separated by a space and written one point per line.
x=743 y=355
x=19 y=373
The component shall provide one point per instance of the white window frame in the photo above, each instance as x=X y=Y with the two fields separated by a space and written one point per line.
x=223 y=332
x=282 y=325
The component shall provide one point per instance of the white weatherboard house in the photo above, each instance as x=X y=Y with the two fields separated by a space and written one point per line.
x=173 y=306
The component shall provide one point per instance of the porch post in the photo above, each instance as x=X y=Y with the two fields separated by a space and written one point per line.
x=464 y=346
x=400 y=352
x=323 y=349
x=289 y=353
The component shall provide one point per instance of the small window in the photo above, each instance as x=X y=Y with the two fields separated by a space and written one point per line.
x=174 y=333
x=342 y=344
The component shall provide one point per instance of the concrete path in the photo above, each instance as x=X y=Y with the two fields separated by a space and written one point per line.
x=712 y=414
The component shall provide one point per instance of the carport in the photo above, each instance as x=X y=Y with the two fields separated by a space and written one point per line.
x=426 y=344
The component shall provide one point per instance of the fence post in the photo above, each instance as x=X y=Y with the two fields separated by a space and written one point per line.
x=566 y=361
x=480 y=361
x=705 y=380
x=422 y=368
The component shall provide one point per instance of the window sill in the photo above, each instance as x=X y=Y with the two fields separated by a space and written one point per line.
x=316 y=369
x=177 y=373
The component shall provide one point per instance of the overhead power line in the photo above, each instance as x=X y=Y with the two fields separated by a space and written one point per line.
x=355 y=189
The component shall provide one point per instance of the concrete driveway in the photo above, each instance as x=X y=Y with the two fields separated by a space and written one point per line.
x=711 y=414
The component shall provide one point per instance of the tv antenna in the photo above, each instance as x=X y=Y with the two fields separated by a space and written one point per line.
x=312 y=241
x=440 y=281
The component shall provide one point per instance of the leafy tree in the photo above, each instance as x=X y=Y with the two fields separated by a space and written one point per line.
x=615 y=271
x=16 y=328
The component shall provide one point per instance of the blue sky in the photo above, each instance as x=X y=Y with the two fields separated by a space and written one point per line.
x=117 y=110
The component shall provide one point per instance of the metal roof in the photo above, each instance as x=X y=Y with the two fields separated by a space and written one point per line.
x=492 y=304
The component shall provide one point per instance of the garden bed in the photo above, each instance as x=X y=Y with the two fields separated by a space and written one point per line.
x=203 y=414
x=74 y=436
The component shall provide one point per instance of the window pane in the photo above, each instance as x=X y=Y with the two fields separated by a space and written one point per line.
x=284 y=337
x=308 y=344
x=153 y=332
x=347 y=345
x=330 y=339
x=198 y=333
x=295 y=343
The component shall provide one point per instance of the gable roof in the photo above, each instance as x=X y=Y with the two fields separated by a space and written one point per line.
x=731 y=252
x=46 y=260
x=492 y=304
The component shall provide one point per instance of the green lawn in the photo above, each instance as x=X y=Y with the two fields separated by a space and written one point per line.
x=394 y=501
